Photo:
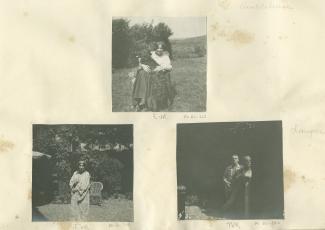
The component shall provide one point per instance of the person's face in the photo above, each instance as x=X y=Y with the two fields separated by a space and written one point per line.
x=235 y=159
x=247 y=162
x=159 y=50
x=81 y=167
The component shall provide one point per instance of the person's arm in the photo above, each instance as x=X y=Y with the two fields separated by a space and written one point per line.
x=167 y=64
x=145 y=67
x=164 y=64
x=225 y=180
x=72 y=182
x=85 y=185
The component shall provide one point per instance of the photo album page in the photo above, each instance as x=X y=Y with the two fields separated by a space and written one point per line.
x=162 y=115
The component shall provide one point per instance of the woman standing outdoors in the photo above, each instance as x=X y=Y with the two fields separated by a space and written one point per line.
x=80 y=184
x=161 y=88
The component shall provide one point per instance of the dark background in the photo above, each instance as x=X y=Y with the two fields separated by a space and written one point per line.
x=108 y=152
x=204 y=151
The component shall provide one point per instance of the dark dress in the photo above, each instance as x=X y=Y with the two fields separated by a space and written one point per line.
x=159 y=91
x=152 y=90
x=140 y=88
x=237 y=206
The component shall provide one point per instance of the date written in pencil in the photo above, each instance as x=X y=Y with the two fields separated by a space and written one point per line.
x=195 y=116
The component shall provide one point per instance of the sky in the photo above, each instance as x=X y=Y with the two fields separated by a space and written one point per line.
x=182 y=27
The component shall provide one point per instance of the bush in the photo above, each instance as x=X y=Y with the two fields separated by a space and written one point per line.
x=109 y=172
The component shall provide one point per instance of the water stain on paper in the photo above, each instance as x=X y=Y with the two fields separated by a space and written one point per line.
x=72 y=39
x=6 y=145
x=241 y=37
x=236 y=36
x=29 y=195
x=65 y=225
x=289 y=178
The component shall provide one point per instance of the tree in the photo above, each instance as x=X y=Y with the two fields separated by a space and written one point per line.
x=129 y=42
x=121 y=42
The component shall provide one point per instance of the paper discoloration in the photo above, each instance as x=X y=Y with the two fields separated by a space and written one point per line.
x=306 y=179
x=236 y=36
x=65 y=225
x=241 y=37
x=289 y=178
x=29 y=195
x=6 y=145
x=72 y=39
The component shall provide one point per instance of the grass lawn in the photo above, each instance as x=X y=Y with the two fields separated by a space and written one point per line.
x=188 y=76
x=193 y=212
x=111 y=210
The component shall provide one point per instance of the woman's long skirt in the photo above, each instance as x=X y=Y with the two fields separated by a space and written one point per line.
x=161 y=93
x=79 y=208
x=152 y=90
x=140 y=88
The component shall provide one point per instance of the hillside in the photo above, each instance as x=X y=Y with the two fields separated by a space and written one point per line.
x=192 y=40
x=189 y=47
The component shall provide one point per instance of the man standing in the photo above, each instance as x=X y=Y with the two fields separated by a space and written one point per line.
x=229 y=175
x=236 y=179
x=229 y=178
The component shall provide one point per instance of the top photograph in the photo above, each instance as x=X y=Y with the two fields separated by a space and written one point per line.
x=159 y=64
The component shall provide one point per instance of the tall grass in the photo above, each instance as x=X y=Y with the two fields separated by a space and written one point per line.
x=188 y=76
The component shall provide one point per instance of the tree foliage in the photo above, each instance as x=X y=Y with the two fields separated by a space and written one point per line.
x=103 y=147
x=121 y=42
x=131 y=41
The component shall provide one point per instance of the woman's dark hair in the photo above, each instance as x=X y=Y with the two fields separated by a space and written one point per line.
x=165 y=45
x=83 y=161
x=160 y=43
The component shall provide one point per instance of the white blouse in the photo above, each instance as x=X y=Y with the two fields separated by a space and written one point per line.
x=163 y=61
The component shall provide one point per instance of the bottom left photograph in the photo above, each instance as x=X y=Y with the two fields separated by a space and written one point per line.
x=82 y=172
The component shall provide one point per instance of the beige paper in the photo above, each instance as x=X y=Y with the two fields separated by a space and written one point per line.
x=265 y=62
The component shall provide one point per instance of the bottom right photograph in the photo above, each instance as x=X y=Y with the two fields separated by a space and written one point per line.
x=230 y=170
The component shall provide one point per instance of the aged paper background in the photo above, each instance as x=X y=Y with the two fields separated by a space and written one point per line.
x=265 y=62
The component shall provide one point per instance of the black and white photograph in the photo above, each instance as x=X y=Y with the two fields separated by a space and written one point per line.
x=159 y=64
x=82 y=173
x=230 y=170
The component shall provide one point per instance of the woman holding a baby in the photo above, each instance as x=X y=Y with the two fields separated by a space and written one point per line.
x=152 y=89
